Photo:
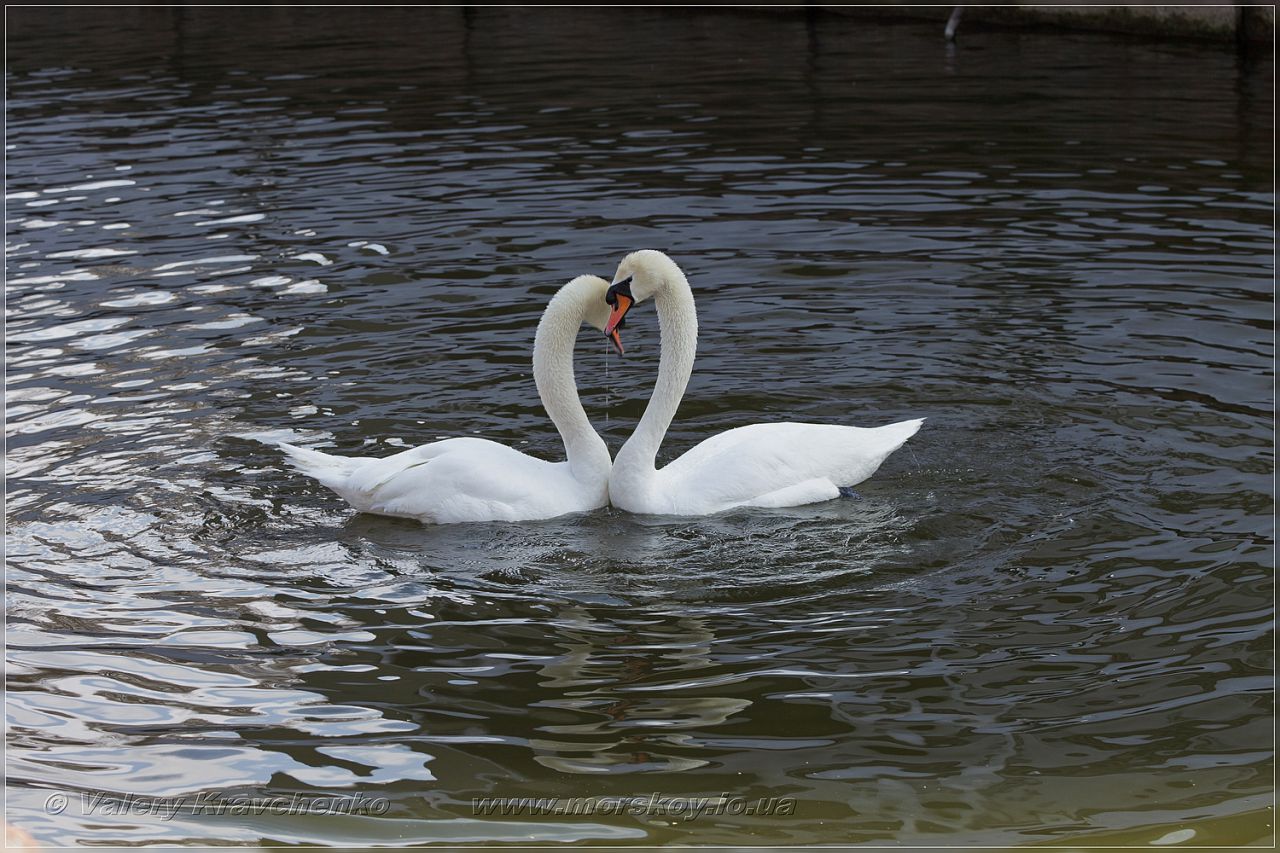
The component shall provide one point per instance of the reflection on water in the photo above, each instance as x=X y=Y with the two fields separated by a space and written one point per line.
x=1045 y=619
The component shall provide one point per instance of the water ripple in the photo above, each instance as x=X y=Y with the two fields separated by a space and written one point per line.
x=1045 y=620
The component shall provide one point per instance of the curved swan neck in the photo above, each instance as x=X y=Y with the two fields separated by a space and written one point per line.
x=678 y=321
x=557 y=387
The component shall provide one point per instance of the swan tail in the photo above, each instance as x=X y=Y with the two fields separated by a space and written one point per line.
x=874 y=447
x=897 y=434
x=890 y=438
x=331 y=471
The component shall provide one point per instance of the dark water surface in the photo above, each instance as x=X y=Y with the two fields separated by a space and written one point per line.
x=1047 y=618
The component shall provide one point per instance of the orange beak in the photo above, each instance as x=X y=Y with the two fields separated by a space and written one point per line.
x=616 y=316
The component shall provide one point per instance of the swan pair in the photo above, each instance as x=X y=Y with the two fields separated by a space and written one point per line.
x=473 y=479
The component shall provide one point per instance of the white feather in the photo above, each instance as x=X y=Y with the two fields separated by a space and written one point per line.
x=474 y=479
x=765 y=465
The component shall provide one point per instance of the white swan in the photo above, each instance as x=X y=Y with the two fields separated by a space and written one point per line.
x=763 y=465
x=473 y=479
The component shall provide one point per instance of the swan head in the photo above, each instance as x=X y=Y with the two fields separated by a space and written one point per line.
x=641 y=275
x=589 y=292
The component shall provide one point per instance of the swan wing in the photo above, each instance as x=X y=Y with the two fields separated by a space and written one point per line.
x=375 y=473
x=785 y=464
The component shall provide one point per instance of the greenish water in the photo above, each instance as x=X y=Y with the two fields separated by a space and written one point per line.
x=1046 y=620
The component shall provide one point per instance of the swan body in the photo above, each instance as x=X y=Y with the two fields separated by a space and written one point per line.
x=474 y=479
x=762 y=465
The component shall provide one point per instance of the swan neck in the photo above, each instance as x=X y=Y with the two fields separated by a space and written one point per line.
x=557 y=386
x=678 y=322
